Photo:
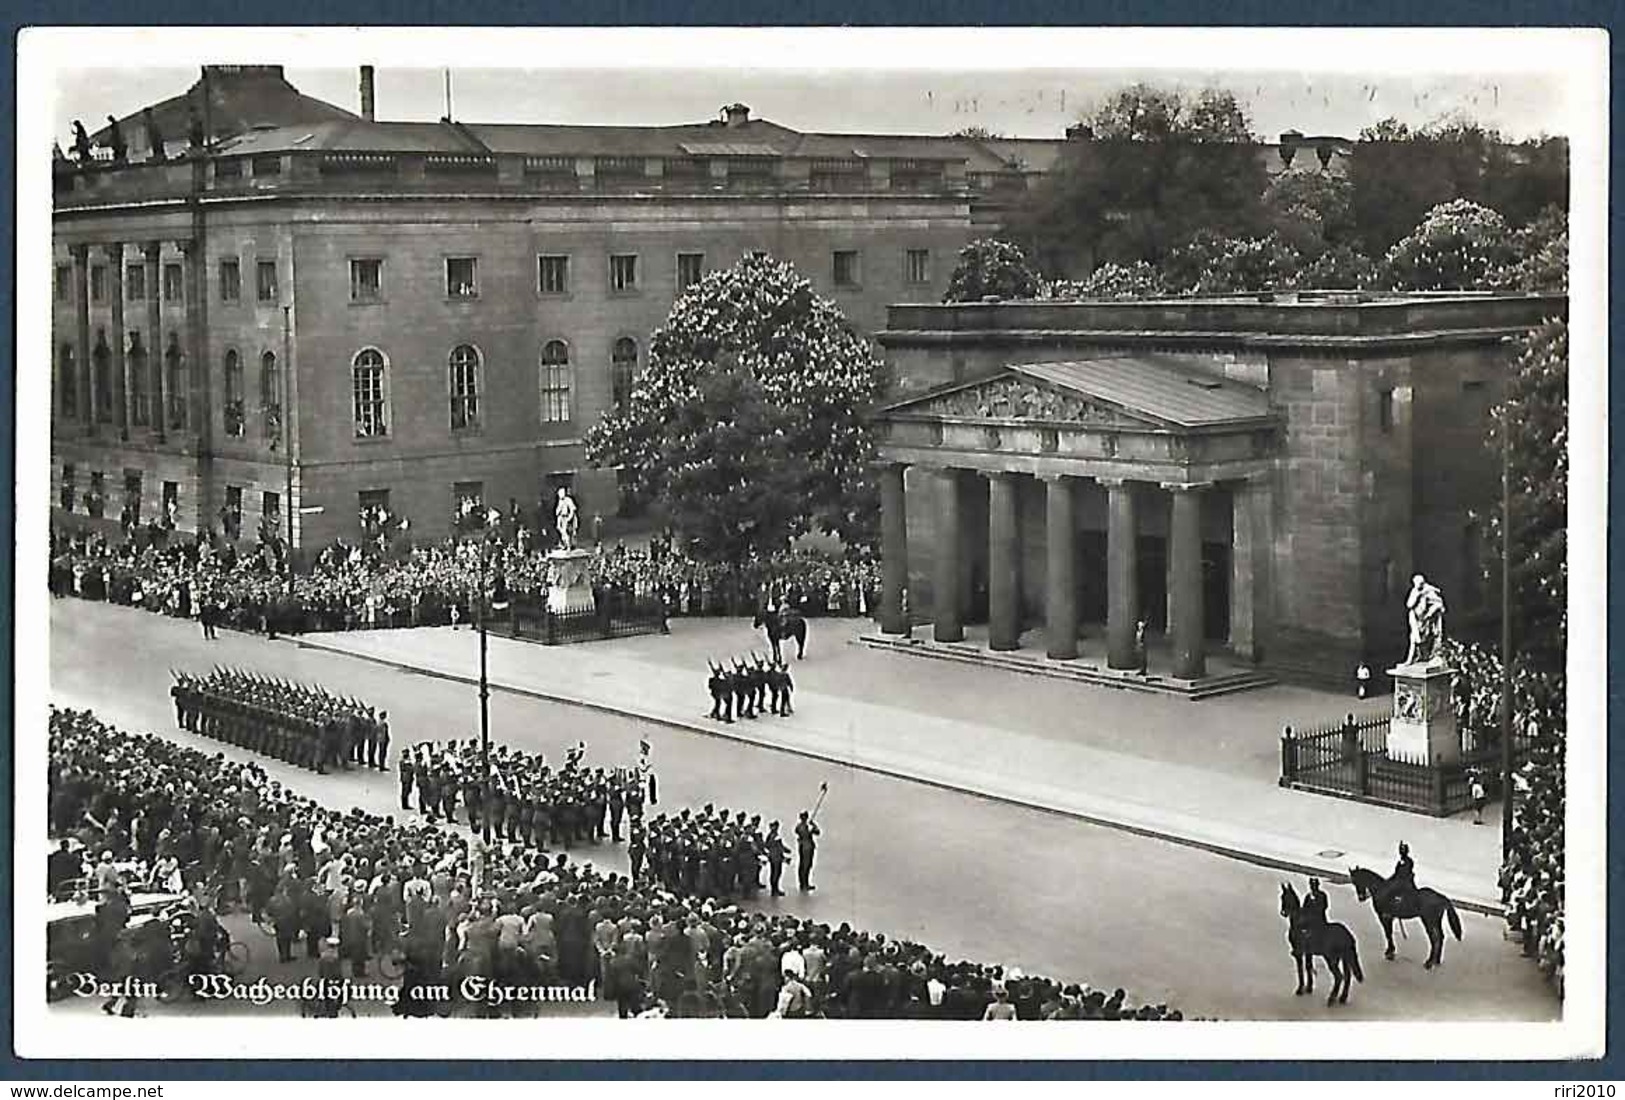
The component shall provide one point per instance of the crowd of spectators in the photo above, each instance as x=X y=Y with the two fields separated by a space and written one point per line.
x=400 y=890
x=368 y=586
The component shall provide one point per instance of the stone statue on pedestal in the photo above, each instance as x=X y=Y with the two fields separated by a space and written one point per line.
x=565 y=519
x=1425 y=606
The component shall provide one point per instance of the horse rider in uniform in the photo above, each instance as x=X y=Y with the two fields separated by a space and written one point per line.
x=1313 y=914
x=1403 y=883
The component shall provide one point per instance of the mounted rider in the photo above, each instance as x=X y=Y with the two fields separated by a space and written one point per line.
x=1312 y=916
x=1402 y=884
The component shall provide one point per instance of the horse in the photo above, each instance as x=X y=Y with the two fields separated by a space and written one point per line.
x=784 y=623
x=1332 y=942
x=1430 y=906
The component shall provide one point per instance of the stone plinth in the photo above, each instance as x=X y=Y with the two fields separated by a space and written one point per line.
x=1423 y=729
x=571 y=590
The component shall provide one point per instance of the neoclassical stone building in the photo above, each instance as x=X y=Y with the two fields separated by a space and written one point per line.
x=1256 y=480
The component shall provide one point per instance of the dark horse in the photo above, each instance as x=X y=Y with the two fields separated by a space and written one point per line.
x=784 y=623
x=1432 y=907
x=1331 y=941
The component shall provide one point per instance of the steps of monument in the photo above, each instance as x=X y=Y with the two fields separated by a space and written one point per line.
x=1028 y=663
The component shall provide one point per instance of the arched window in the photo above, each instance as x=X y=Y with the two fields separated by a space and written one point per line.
x=234 y=394
x=68 y=381
x=101 y=358
x=368 y=375
x=623 y=369
x=140 y=383
x=270 y=396
x=175 y=383
x=465 y=388
x=555 y=382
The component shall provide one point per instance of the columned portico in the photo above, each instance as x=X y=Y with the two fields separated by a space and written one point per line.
x=116 y=339
x=1004 y=563
x=87 y=379
x=946 y=578
x=1185 y=579
x=893 y=548
x=1122 y=576
x=1060 y=568
x=153 y=384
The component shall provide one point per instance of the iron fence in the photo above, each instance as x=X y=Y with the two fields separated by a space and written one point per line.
x=531 y=620
x=1350 y=759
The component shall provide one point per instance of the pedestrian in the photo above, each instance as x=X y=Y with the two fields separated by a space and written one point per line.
x=806 y=848
x=1475 y=782
x=1362 y=680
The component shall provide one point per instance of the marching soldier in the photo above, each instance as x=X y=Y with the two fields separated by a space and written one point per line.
x=742 y=690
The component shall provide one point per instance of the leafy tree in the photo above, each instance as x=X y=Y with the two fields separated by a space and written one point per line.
x=976 y=133
x=1338 y=268
x=1151 y=168
x=1542 y=249
x=1459 y=245
x=991 y=266
x=1213 y=264
x=1310 y=210
x=747 y=426
x=1139 y=280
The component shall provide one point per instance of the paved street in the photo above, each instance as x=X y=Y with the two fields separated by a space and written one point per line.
x=973 y=877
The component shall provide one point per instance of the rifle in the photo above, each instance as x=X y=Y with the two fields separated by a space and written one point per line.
x=823 y=789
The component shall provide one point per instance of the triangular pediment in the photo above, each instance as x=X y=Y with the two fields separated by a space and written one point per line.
x=1011 y=396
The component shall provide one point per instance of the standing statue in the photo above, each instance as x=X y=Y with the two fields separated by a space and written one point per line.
x=115 y=140
x=155 y=136
x=1426 y=609
x=564 y=517
x=81 y=142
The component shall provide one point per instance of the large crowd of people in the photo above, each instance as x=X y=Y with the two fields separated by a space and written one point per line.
x=448 y=907
x=361 y=586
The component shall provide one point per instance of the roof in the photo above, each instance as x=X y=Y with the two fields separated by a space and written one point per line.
x=1158 y=392
x=240 y=98
x=1146 y=386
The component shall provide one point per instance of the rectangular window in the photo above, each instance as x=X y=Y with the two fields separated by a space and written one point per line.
x=172 y=503
x=98 y=283
x=231 y=516
x=231 y=281
x=228 y=168
x=373 y=501
x=845 y=265
x=271 y=512
x=460 y=278
x=267 y=166
x=555 y=386
x=174 y=281
x=623 y=273
x=132 y=496
x=917 y=266
x=368 y=392
x=265 y=280
x=69 y=476
x=1385 y=410
x=553 y=274
x=64 y=282
x=465 y=389
x=690 y=269
x=135 y=283
x=96 y=503
x=465 y=491
x=366 y=280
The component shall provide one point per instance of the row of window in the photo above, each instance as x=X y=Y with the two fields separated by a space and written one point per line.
x=465 y=385
x=553 y=273
x=553 y=276
x=143 y=393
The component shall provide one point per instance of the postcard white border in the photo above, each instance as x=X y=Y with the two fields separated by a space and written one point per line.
x=1577 y=58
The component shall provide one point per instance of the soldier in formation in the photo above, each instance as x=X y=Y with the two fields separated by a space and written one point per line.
x=296 y=723
x=749 y=688
x=712 y=853
x=527 y=800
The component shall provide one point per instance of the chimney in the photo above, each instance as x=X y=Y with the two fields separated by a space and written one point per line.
x=367 y=98
x=736 y=114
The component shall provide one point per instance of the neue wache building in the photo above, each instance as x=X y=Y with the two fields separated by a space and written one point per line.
x=1255 y=481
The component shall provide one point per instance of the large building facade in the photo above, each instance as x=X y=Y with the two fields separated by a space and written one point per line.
x=1254 y=478
x=301 y=312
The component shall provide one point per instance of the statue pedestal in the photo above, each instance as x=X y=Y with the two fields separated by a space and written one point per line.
x=1423 y=729
x=571 y=590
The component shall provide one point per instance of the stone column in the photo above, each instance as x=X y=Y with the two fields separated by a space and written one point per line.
x=81 y=284
x=1122 y=589
x=1003 y=563
x=155 y=343
x=195 y=347
x=893 y=549
x=1185 y=580
x=1243 y=543
x=945 y=583
x=116 y=340
x=1060 y=570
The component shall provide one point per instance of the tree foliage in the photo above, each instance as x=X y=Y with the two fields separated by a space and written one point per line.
x=1213 y=264
x=1154 y=167
x=747 y=426
x=1114 y=281
x=1311 y=211
x=991 y=267
x=1542 y=249
x=1459 y=245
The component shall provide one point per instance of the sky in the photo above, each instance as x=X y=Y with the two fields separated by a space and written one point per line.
x=1011 y=102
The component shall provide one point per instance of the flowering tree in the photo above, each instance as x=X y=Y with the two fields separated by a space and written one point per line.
x=1340 y=267
x=1116 y=281
x=1311 y=211
x=1542 y=249
x=1459 y=245
x=748 y=425
x=1213 y=264
x=991 y=266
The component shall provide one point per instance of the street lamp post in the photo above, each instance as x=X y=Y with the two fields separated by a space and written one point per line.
x=485 y=704
x=1506 y=637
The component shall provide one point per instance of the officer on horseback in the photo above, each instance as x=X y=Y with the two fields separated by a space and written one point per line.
x=1403 y=882
x=1314 y=906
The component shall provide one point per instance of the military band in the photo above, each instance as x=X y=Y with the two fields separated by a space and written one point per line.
x=296 y=723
